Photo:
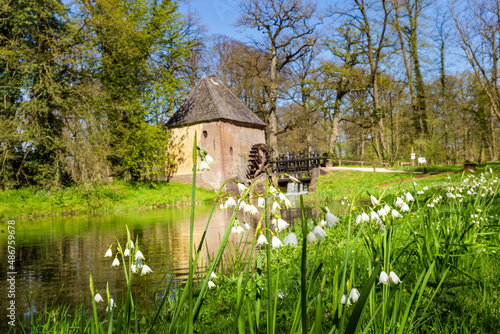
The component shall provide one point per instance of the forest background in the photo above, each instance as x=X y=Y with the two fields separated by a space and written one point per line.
x=87 y=86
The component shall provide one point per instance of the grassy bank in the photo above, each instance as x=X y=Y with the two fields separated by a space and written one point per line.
x=337 y=185
x=118 y=195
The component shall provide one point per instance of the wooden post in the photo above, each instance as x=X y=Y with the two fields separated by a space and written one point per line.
x=412 y=160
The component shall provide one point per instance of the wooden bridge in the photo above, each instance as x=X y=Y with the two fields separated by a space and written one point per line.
x=298 y=165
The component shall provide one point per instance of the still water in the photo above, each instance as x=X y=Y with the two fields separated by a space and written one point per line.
x=55 y=256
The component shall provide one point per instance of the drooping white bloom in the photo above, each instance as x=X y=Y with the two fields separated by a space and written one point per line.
x=273 y=191
x=111 y=305
x=291 y=240
x=294 y=179
x=250 y=209
x=374 y=216
x=374 y=200
x=211 y=284
x=98 y=298
x=241 y=187
x=354 y=295
x=242 y=205
x=387 y=209
x=399 y=202
x=261 y=202
x=394 y=278
x=364 y=217
x=409 y=197
x=280 y=224
x=131 y=244
x=405 y=207
x=331 y=219
x=383 y=278
x=396 y=214
x=109 y=253
x=262 y=239
x=319 y=232
x=115 y=263
x=203 y=166
x=276 y=207
x=282 y=197
x=358 y=219
x=382 y=213
x=146 y=270
x=230 y=203
x=287 y=203
x=343 y=300
x=139 y=256
x=247 y=227
x=311 y=237
x=209 y=159
x=126 y=252
x=322 y=223
x=275 y=242
x=139 y=264
x=213 y=276
x=133 y=267
x=237 y=229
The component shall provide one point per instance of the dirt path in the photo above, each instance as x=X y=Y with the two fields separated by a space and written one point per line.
x=367 y=169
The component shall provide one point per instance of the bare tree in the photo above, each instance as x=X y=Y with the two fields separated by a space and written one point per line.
x=288 y=27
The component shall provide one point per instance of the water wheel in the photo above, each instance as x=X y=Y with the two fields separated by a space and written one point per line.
x=258 y=162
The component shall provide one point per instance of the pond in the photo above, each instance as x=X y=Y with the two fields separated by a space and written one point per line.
x=55 y=256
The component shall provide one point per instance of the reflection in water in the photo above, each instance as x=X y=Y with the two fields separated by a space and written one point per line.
x=55 y=256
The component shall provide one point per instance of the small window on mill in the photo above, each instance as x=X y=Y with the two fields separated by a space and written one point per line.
x=205 y=134
x=231 y=150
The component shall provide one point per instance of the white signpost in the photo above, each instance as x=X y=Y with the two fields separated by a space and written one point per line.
x=422 y=160
x=413 y=155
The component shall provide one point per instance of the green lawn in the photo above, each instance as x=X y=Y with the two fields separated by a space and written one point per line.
x=117 y=195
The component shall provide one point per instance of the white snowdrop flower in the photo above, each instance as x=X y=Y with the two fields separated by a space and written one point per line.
x=241 y=187
x=311 y=237
x=247 y=227
x=115 y=263
x=319 y=232
x=395 y=214
x=420 y=192
x=382 y=213
x=230 y=203
x=109 y=253
x=394 y=278
x=409 y=197
x=213 y=276
x=387 y=209
x=242 y=205
x=275 y=208
x=209 y=159
x=126 y=252
x=414 y=183
x=275 y=242
x=383 y=278
x=273 y=191
x=342 y=203
x=331 y=219
x=262 y=239
x=139 y=256
x=291 y=240
x=261 y=202
x=251 y=209
x=374 y=200
x=405 y=207
x=131 y=244
x=343 y=300
x=374 y=216
x=287 y=203
x=133 y=267
x=211 y=284
x=322 y=223
x=382 y=228
x=281 y=224
x=294 y=179
x=365 y=217
x=354 y=295
x=111 y=305
x=282 y=197
x=203 y=166
x=145 y=270
x=98 y=298
x=399 y=202
x=358 y=219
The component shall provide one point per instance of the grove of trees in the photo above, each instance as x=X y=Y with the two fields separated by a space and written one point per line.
x=87 y=86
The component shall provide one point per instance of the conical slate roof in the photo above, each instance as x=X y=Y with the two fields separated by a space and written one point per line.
x=210 y=100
